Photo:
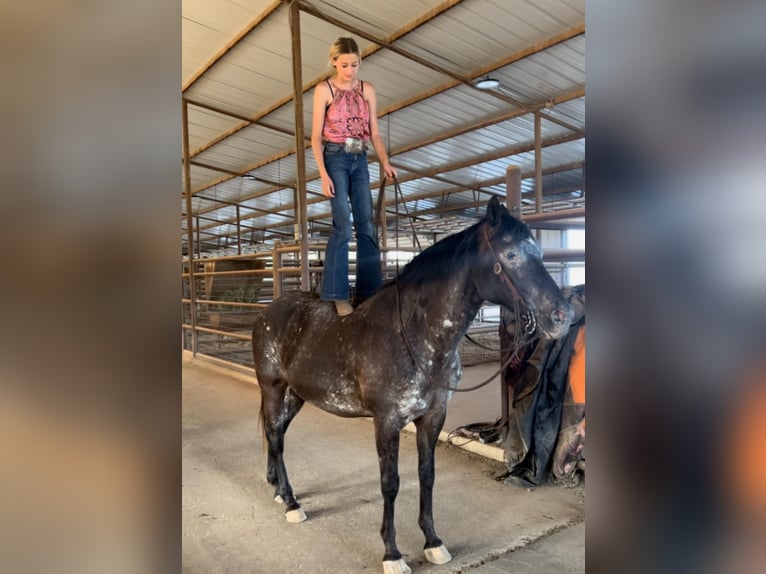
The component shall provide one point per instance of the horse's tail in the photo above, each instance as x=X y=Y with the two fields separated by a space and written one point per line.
x=262 y=424
x=257 y=327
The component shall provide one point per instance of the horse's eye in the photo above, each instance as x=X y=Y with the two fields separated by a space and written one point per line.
x=511 y=255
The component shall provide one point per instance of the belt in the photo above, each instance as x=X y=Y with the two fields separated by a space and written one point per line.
x=351 y=145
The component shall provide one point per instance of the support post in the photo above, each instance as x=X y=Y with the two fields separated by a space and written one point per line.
x=276 y=265
x=239 y=232
x=513 y=190
x=300 y=149
x=189 y=226
x=538 y=168
x=513 y=203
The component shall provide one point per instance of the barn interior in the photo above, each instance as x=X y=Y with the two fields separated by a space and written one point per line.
x=476 y=99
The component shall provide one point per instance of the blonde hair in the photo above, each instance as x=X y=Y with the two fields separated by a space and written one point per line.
x=344 y=45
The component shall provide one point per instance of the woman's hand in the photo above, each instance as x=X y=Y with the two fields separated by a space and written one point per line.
x=328 y=190
x=389 y=171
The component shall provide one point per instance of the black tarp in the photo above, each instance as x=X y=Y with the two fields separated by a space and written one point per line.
x=541 y=403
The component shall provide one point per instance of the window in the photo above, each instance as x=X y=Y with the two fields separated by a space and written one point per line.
x=575 y=272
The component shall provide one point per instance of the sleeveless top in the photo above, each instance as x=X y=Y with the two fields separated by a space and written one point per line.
x=347 y=116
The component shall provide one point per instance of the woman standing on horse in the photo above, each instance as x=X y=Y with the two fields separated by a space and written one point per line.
x=345 y=120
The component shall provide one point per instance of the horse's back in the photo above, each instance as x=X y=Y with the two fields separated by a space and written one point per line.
x=300 y=341
x=297 y=324
x=281 y=312
x=281 y=322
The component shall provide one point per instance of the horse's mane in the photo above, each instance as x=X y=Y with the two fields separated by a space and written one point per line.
x=442 y=259
x=449 y=255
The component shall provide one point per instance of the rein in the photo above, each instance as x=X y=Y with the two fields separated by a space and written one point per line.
x=381 y=206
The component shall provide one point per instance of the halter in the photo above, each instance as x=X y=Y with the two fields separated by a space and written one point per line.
x=498 y=267
x=530 y=321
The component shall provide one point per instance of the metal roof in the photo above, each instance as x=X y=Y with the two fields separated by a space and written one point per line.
x=450 y=142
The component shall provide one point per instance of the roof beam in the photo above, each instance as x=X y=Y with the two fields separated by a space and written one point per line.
x=513 y=58
x=249 y=121
x=232 y=43
x=236 y=174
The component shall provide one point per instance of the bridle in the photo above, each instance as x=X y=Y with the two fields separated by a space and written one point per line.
x=530 y=321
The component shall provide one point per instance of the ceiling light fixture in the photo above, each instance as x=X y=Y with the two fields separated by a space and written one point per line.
x=487 y=83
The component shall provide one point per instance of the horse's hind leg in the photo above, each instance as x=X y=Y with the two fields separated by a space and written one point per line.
x=428 y=428
x=279 y=405
x=292 y=404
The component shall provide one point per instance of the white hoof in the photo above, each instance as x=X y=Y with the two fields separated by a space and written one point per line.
x=278 y=499
x=295 y=516
x=396 y=567
x=438 y=555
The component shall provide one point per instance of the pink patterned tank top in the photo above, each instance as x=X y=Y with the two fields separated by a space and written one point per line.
x=347 y=116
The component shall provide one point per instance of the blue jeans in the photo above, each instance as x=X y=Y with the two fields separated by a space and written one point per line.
x=351 y=180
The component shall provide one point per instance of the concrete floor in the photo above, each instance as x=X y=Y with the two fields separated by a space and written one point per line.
x=231 y=524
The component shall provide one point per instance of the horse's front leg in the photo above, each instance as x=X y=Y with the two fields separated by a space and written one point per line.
x=387 y=443
x=429 y=426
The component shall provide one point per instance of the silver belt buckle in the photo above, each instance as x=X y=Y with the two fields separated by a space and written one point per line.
x=354 y=145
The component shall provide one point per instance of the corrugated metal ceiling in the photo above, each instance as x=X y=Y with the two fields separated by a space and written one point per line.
x=450 y=142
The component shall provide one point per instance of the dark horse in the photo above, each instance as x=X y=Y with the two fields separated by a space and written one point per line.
x=395 y=358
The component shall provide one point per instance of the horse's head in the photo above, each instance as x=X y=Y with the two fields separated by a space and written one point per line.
x=512 y=272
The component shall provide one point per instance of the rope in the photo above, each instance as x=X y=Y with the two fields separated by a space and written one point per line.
x=483 y=432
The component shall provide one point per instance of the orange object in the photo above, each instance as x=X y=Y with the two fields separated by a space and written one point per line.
x=748 y=449
x=577 y=368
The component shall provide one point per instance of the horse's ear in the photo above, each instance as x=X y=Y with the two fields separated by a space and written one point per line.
x=494 y=211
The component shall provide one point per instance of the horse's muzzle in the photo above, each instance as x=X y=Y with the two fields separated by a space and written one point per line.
x=560 y=320
x=562 y=315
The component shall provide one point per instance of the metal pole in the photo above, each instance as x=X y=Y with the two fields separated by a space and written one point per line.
x=300 y=150
x=276 y=264
x=383 y=218
x=554 y=215
x=538 y=164
x=513 y=203
x=513 y=190
x=538 y=169
x=239 y=233
x=189 y=227
x=199 y=236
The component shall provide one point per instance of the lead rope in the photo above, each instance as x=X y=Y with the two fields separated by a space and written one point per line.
x=381 y=205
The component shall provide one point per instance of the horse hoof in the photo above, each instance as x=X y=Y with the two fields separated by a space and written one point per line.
x=438 y=555
x=396 y=567
x=278 y=499
x=295 y=516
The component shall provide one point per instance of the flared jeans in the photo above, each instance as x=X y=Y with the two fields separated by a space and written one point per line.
x=351 y=180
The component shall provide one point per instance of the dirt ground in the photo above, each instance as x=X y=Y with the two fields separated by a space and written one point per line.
x=232 y=525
